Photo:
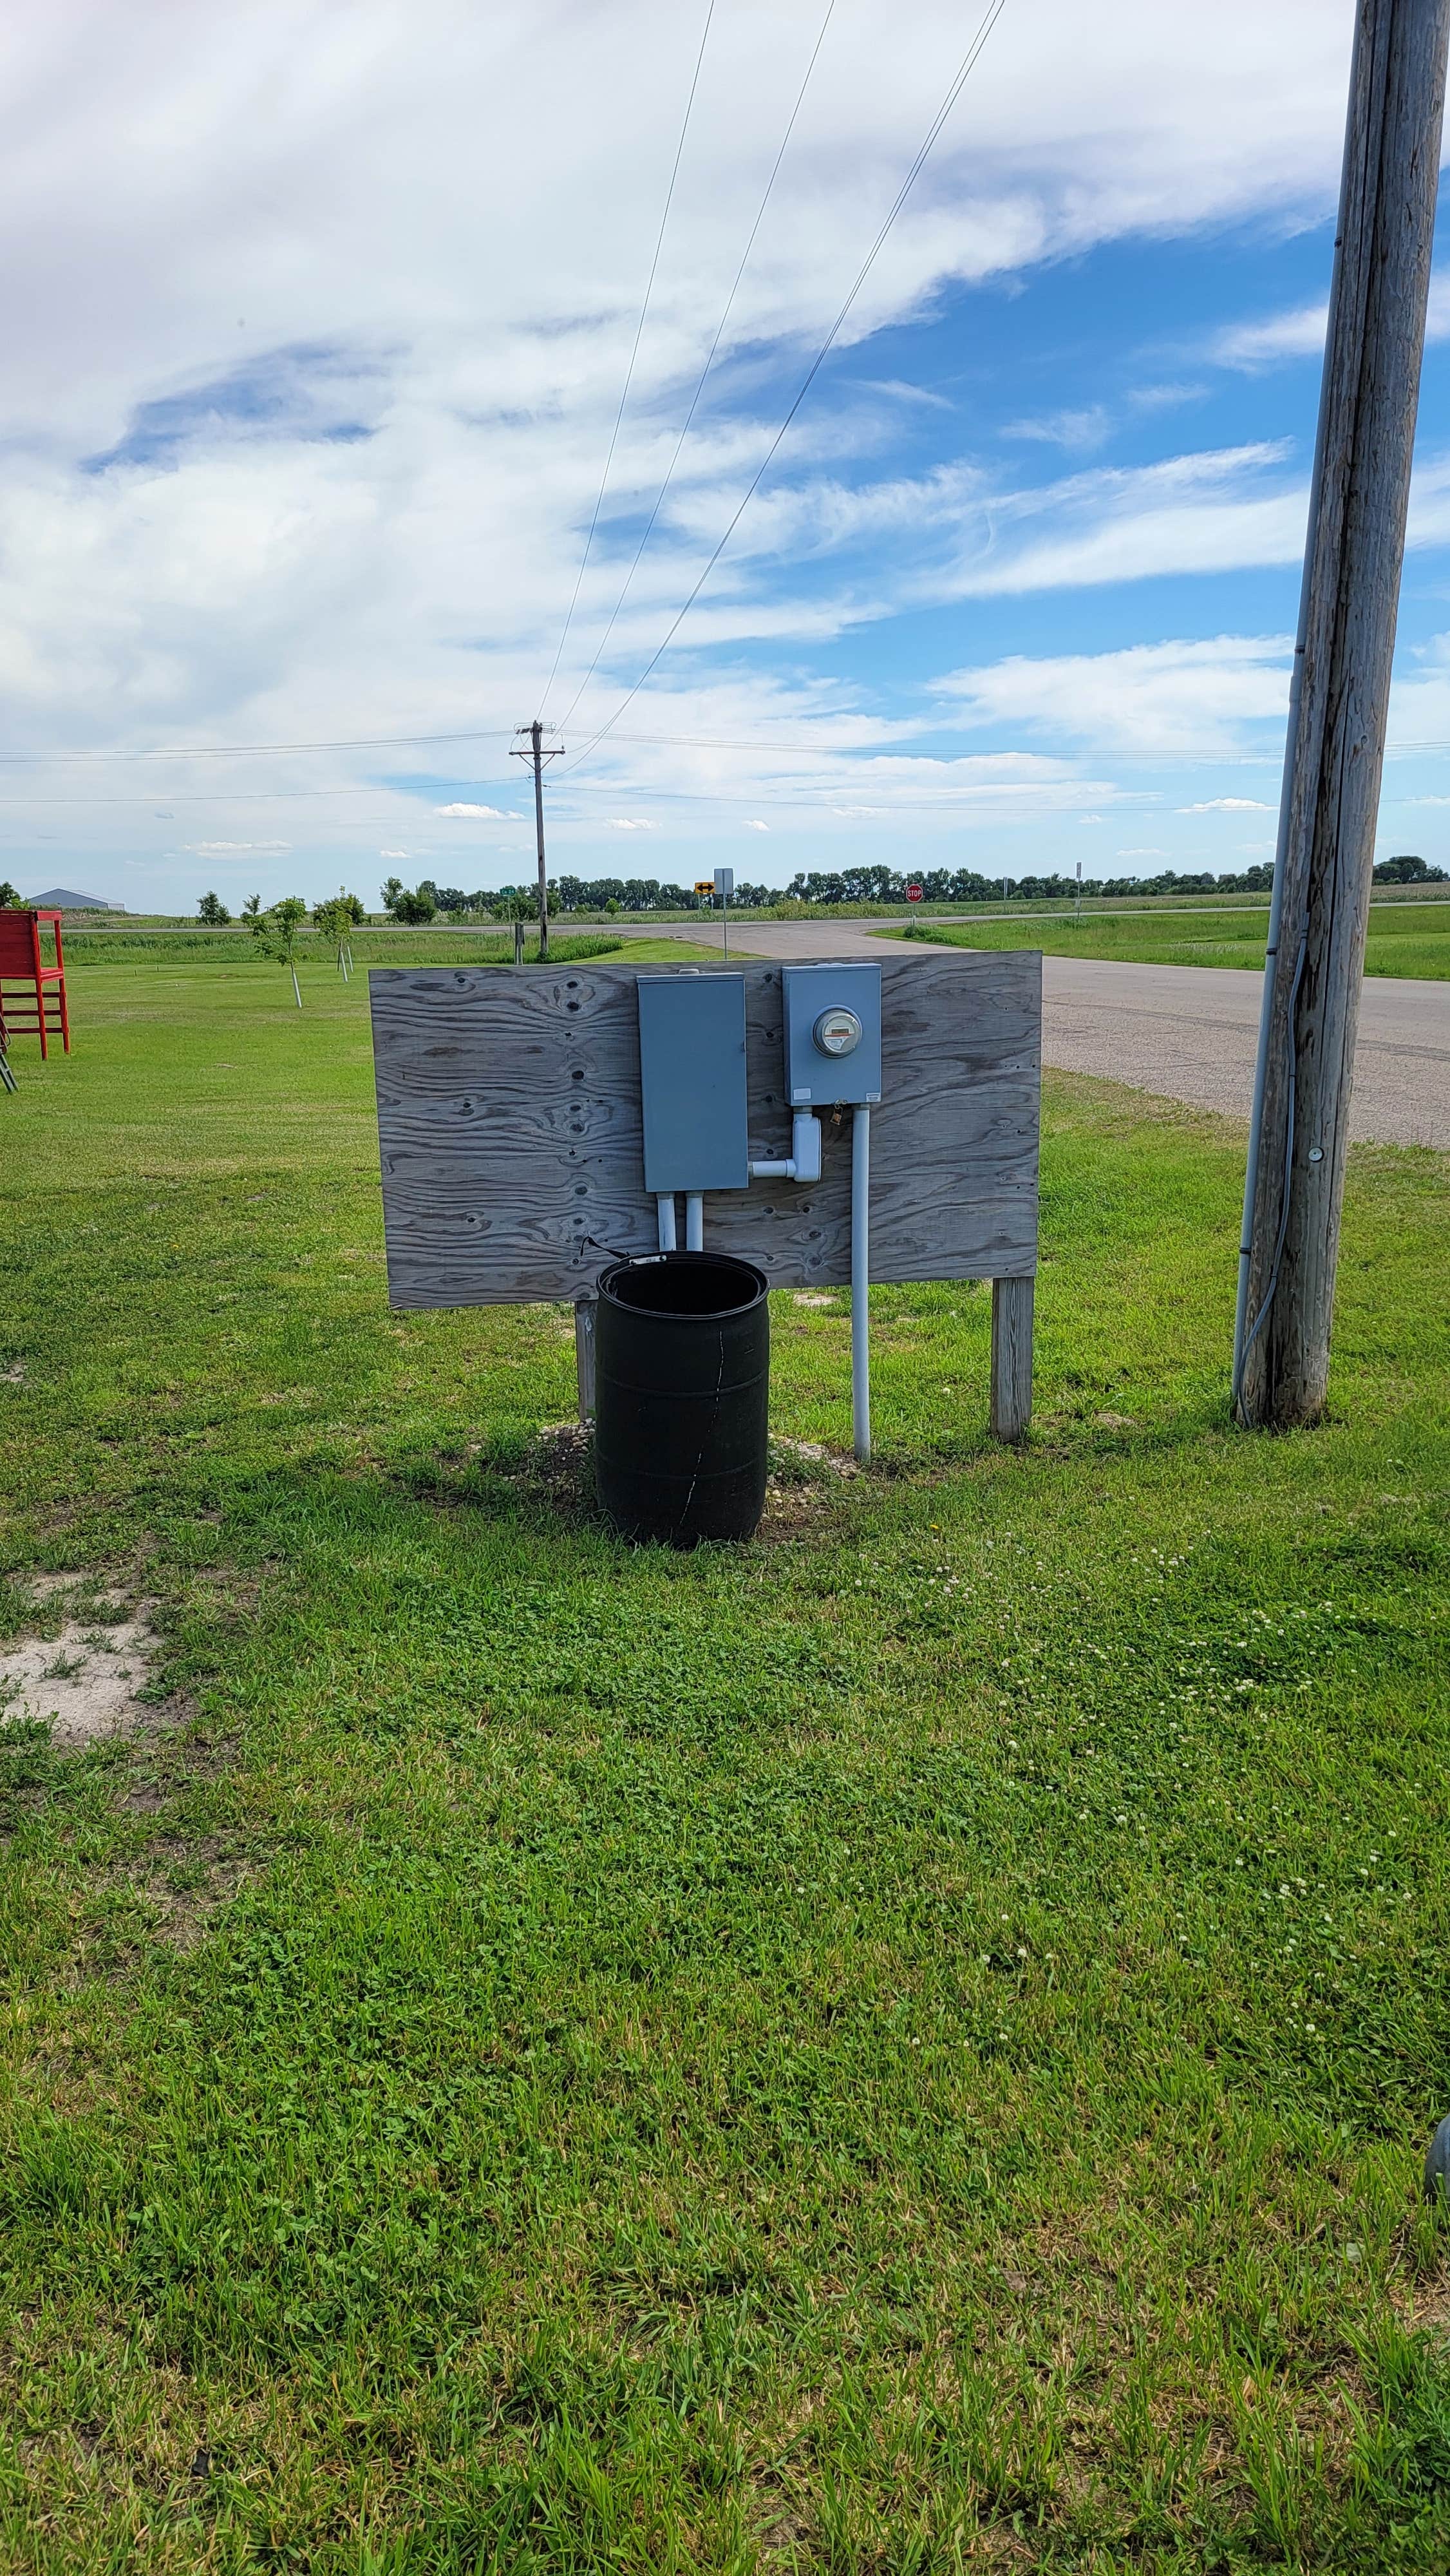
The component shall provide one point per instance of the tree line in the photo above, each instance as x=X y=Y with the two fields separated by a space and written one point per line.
x=416 y=906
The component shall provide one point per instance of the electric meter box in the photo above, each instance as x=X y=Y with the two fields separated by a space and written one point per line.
x=692 y=1080
x=832 y=1036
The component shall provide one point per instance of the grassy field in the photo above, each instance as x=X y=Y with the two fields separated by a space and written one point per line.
x=1403 y=940
x=316 y=956
x=904 y=2047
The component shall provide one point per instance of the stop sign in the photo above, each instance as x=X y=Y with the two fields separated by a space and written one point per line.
x=913 y=894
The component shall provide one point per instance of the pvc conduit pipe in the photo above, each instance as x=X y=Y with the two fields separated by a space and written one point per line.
x=666 y=1205
x=805 y=1145
x=804 y=1160
x=861 y=1281
x=694 y=1221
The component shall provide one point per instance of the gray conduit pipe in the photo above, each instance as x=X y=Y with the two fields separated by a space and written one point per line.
x=666 y=1206
x=694 y=1221
x=861 y=1281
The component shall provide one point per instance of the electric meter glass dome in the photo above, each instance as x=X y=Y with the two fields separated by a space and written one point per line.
x=837 y=1031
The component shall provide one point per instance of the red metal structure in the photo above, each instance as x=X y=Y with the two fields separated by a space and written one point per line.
x=39 y=1007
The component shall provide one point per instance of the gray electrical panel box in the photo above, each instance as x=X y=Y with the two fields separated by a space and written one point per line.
x=692 y=1077
x=832 y=1035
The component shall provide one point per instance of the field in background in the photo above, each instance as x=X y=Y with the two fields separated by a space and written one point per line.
x=903 y=2047
x=316 y=956
x=1111 y=907
x=1416 y=944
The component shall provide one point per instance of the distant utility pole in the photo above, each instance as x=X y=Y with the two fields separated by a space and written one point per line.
x=1337 y=707
x=538 y=751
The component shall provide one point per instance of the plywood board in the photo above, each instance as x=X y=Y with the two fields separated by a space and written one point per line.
x=511 y=1137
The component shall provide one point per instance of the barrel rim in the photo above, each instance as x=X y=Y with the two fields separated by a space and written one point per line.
x=679 y=1261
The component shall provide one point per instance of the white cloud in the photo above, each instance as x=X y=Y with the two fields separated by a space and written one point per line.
x=1299 y=333
x=476 y=814
x=1217 y=511
x=1165 y=397
x=1087 y=427
x=392 y=854
x=958 y=533
x=1142 y=854
x=1252 y=345
x=630 y=823
x=1228 y=805
x=1191 y=695
x=754 y=826
x=234 y=849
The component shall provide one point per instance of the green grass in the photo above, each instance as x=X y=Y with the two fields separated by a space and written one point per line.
x=904 y=2047
x=1403 y=940
x=316 y=956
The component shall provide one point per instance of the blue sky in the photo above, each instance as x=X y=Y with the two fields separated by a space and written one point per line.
x=317 y=359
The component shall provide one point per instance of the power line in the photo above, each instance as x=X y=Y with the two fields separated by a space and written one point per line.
x=221 y=796
x=634 y=352
x=762 y=743
x=968 y=64
x=248 y=750
x=705 y=370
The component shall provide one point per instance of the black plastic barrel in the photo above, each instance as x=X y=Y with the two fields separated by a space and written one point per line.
x=681 y=1396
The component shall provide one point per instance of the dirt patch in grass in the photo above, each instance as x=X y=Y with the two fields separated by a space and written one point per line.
x=557 y=1470
x=181 y=1884
x=84 y=1678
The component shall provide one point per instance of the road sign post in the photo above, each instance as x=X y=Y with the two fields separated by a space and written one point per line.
x=724 y=888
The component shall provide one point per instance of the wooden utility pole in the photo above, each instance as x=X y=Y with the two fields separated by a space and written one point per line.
x=538 y=751
x=1337 y=707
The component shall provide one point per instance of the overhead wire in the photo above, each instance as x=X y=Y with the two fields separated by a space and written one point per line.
x=705 y=370
x=633 y=355
x=968 y=64
x=250 y=750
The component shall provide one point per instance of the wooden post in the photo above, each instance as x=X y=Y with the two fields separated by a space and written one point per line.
x=538 y=751
x=1337 y=710
x=584 y=1313
x=536 y=730
x=1011 y=1409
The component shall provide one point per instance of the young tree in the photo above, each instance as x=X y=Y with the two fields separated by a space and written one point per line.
x=335 y=920
x=390 y=893
x=252 y=907
x=213 y=912
x=275 y=932
x=8 y=894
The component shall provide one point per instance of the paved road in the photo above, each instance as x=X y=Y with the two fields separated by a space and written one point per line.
x=1189 y=1032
